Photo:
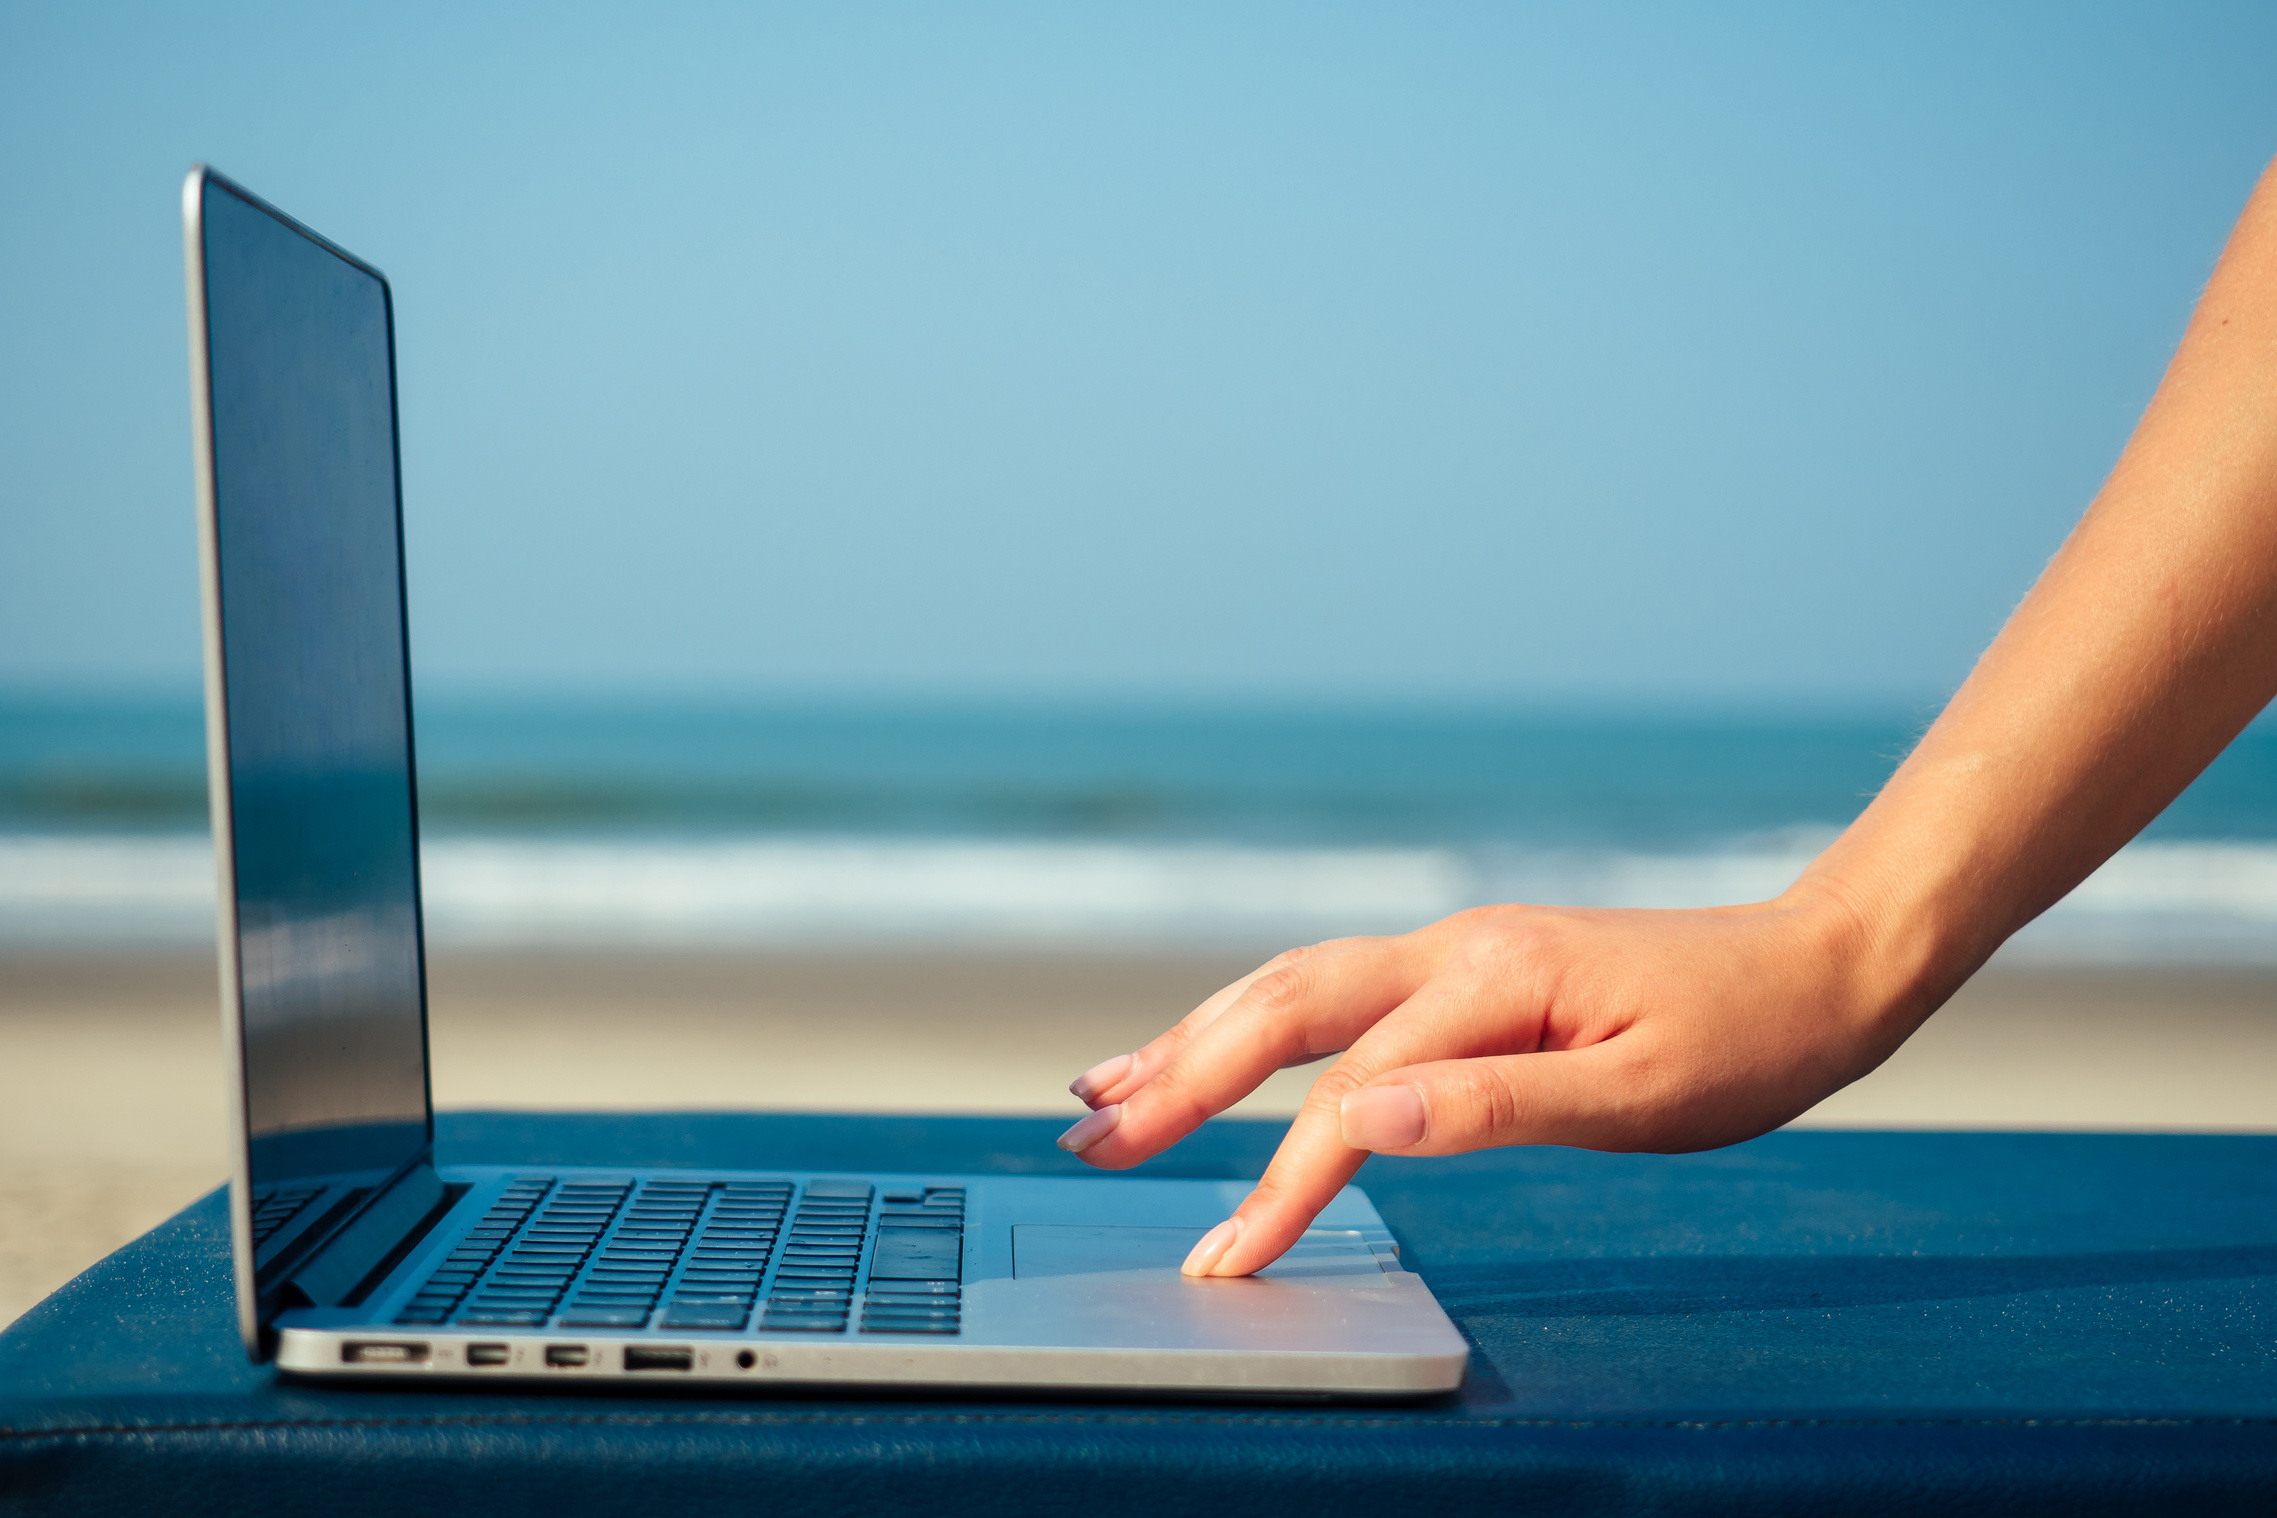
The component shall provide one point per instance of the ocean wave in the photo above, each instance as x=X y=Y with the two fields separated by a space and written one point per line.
x=2211 y=902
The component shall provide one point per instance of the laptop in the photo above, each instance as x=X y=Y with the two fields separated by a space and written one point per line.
x=357 y=1257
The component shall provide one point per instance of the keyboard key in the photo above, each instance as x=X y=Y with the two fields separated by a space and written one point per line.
x=912 y=1327
x=917 y=1254
x=839 y=1188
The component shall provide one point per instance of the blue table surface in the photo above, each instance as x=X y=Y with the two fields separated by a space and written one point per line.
x=1840 y=1322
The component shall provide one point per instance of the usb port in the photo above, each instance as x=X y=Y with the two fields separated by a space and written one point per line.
x=389 y=1353
x=657 y=1358
x=487 y=1354
x=566 y=1354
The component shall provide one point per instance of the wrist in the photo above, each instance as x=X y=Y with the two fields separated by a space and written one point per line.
x=1901 y=938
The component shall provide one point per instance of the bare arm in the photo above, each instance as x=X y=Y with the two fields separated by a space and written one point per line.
x=2148 y=643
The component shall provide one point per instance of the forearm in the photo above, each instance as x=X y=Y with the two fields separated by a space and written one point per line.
x=2148 y=643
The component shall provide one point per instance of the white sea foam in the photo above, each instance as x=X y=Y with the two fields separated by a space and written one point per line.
x=108 y=890
x=2198 y=902
x=785 y=890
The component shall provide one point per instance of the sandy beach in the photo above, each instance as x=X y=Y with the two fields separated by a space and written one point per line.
x=113 y=1115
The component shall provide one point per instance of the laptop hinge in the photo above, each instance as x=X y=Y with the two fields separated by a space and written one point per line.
x=394 y=1219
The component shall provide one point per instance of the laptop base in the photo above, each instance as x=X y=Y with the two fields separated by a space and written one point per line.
x=657 y=1277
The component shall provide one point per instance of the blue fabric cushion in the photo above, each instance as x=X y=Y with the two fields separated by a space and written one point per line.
x=1812 y=1322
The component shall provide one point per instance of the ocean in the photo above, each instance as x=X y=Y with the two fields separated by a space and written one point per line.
x=787 y=825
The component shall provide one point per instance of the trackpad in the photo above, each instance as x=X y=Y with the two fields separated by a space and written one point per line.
x=1323 y=1257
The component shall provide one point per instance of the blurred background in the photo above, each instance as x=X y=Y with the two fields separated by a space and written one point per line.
x=938 y=535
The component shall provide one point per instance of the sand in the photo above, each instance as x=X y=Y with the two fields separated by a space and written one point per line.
x=111 y=1118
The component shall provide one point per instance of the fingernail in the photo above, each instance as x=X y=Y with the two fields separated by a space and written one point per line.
x=1091 y=1129
x=1212 y=1248
x=1383 y=1117
x=1101 y=1076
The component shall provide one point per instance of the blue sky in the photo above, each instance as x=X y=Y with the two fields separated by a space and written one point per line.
x=1471 y=352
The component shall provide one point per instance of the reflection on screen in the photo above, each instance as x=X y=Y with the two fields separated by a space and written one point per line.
x=318 y=700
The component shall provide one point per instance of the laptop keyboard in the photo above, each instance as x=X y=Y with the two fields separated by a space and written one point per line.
x=272 y=1210
x=814 y=1286
x=705 y=1255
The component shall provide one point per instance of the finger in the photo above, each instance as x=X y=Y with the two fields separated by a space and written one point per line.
x=1466 y=1010
x=1311 y=1165
x=1586 y=1098
x=1444 y=1107
x=1273 y=1217
x=1313 y=1004
x=1111 y=1080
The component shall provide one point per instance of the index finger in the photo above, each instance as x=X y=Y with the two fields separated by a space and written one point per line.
x=1310 y=1006
x=1447 y=1018
x=1112 y=1080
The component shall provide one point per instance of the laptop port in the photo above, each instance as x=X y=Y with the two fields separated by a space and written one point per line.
x=394 y=1352
x=487 y=1354
x=644 y=1357
x=566 y=1354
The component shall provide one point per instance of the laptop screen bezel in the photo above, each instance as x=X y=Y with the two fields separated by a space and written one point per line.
x=252 y=1313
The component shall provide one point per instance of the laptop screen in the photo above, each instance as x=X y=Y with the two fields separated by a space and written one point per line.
x=316 y=686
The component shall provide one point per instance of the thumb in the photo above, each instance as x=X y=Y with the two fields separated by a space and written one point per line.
x=1453 y=1106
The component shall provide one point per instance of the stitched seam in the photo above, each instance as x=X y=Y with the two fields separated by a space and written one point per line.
x=759 y=1420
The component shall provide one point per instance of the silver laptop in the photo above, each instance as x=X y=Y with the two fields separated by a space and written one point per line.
x=356 y=1256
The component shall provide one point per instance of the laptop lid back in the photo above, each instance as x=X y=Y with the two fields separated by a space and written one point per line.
x=308 y=714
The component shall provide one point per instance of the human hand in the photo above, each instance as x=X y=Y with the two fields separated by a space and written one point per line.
x=2147 y=645
x=1621 y=1030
